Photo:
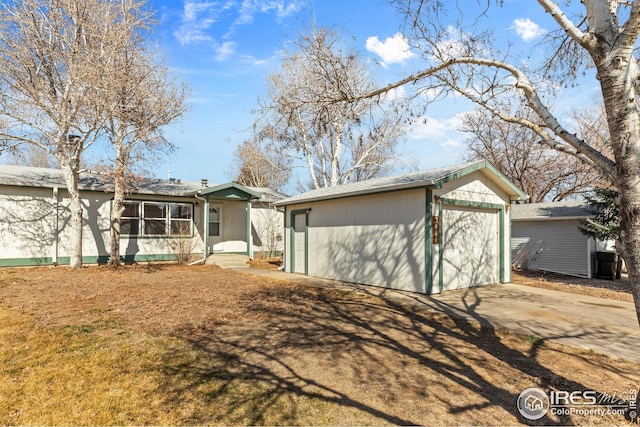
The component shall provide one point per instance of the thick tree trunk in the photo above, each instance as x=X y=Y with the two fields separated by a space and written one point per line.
x=116 y=216
x=75 y=207
x=617 y=72
x=630 y=237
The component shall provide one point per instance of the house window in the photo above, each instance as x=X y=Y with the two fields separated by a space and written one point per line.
x=130 y=221
x=156 y=219
x=180 y=216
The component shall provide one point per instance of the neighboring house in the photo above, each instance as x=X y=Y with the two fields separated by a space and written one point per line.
x=162 y=218
x=425 y=232
x=545 y=236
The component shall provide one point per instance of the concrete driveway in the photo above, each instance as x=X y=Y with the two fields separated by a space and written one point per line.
x=599 y=324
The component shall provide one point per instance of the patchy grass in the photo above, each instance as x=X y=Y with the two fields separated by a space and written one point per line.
x=200 y=345
x=70 y=376
x=619 y=290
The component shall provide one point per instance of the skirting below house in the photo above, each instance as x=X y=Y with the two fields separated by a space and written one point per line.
x=101 y=259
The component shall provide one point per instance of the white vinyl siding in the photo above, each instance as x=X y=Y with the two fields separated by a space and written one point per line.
x=376 y=239
x=551 y=245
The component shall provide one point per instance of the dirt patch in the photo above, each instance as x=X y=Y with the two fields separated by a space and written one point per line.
x=268 y=263
x=253 y=350
x=619 y=290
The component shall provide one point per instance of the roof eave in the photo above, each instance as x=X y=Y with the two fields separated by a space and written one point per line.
x=208 y=191
x=383 y=189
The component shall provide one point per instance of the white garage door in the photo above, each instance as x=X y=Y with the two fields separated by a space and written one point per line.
x=470 y=247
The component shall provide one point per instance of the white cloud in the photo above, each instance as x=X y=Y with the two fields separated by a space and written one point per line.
x=527 y=29
x=393 y=50
x=282 y=8
x=197 y=18
x=224 y=50
x=443 y=132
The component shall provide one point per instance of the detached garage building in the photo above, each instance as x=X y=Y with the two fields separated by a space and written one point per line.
x=545 y=236
x=426 y=232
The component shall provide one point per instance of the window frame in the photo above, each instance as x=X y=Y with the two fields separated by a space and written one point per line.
x=218 y=221
x=169 y=217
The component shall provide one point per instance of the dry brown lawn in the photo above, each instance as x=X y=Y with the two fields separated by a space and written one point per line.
x=177 y=345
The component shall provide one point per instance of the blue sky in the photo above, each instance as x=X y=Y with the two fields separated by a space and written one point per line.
x=224 y=49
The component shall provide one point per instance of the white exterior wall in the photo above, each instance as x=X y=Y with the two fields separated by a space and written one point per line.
x=233 y=227
x=374 y=239
x=28 y=233
x=551 y=245
x=267 y=229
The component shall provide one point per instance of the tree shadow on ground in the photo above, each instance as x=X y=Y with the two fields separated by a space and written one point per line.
x=362 y=360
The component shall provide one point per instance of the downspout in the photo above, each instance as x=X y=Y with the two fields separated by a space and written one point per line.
x=249 y=236
x=205 y=238
x=56 y=234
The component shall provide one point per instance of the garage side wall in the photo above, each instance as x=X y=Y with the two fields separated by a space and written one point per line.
x=374 y=239
x=555 y=246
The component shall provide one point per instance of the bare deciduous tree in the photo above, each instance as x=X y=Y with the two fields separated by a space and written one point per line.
x=51 y=54
x=461 y=57
x=261 y=165
x=140 y=99
x=541 y=172
x=337 y=142
x=32 y=155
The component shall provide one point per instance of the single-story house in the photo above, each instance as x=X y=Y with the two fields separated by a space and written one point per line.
x=545 y=236
x=425 y=232
x=162 y=219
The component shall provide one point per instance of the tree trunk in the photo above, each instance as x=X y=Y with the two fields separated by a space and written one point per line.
x=116 y=216
x=75 y=207
x=617 y=78
x=629 y=206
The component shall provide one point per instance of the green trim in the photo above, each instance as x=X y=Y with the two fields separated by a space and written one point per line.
x=292 y=238
x=471 y=204
x=231 y=190
x=428 y=242
x=205 y=237
x=248 y=228
x=440 y=248
x=500 y=208
x=476 y=167
x=501 y=236
x=95 y=259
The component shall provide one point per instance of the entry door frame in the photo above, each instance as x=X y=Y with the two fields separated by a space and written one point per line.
x=292 y=238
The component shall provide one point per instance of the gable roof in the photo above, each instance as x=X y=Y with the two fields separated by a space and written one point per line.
x=231 y=190
x=574 y=209
x=28 y=176
x=434 y=178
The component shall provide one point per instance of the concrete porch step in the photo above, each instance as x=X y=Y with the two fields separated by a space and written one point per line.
x=228 y=260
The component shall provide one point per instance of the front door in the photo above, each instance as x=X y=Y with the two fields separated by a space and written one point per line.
x=300 y=243
x=215 y=226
